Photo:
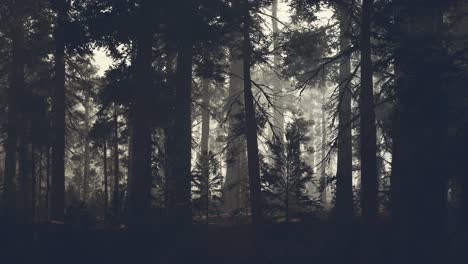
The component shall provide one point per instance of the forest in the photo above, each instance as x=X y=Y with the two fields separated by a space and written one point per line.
x=234 y=131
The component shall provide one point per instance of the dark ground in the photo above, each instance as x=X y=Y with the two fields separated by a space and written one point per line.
x=314 y=241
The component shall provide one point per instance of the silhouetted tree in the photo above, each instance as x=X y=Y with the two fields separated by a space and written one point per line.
x=251 y=123
x=140 y=181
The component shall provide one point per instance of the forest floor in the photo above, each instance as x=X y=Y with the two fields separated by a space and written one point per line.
x=313 y=241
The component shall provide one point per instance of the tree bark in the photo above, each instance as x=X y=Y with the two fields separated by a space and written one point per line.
x=368 y=145
x=85 y=182
x=344 y=174
x=139 y=194
x=57 y=195
x=278 y=115
x=33 y=183
x=251 y=126
x=106 y=178
x=419 y=176
x=15 y=90
x=236 y=169
x=180 y=208
x=171 y=62
x=323 y=163
x=25 y=168
x=116 y=191
x=205 y=175
x=39 y=180
x=47 y=193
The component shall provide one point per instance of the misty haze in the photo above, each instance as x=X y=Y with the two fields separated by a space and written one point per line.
x=234 y=131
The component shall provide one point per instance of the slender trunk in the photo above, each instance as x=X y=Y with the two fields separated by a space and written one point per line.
x=85 y=181
x=129 y=168
x=139 y=195
x=39 y=181
x=33 y=182
x=116 y=191
x=251 y=126
x=287 y=196
x=278 y=115
x=367 y=118
x=205 y=146
x=323 y=154
x=311 y=151
x=26 y=163
x=168 y=131
x=368 y=145
x=25 y=170
x=180 y=210
x=106 y=191
x=16 y=86
x=57 y=195
x=344 y=177
x=47 y=193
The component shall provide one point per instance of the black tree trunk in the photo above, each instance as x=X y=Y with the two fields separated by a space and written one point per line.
x=57 y=191
x=251 y=127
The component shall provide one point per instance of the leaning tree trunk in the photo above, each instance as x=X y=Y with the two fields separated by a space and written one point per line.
x=16 y=86
x=368 y=145
x=251 y=126
x=344 y=175
x=139 y=194
x=57 y=195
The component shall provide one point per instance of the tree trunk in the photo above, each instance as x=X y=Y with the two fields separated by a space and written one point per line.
x=234 y=195
x=344 y=174
x=251 y=126
x=205 y=176
x=129 y=168
x=236 y=169
x=368 y=148
x=57 y=195
x=15 y=90
x=47 y=193
x=25 y=170
x=180 y=209
x=419 y=176
x=39 y=182
x=33 y=183
x=323 y=163
x=85 y=182
x=278 y=115
x=139 y=194
x=457 y=144
x=116 y=191
x=169 y=130
x=26 y=152
x=106 y=178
